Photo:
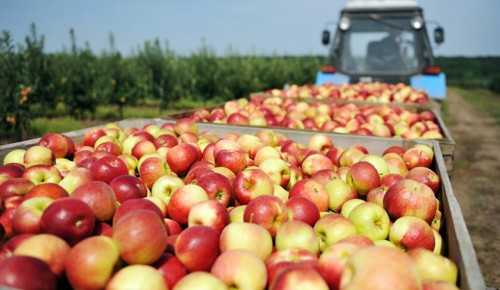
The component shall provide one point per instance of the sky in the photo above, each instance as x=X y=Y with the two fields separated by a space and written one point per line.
x=263 y=27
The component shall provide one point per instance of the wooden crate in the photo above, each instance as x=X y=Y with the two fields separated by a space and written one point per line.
x=456 y=239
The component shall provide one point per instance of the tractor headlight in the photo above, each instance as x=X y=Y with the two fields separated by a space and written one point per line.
x=344 y=23
x=417 y=22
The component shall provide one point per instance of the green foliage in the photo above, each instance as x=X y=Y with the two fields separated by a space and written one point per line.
x=471 y=72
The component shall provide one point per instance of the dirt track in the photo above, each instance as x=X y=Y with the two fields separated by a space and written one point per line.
x=476 y=181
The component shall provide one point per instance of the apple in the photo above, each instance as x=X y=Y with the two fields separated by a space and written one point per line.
x=240 y=269
x=103 y=229
x=9 y=246
x=136 y=204
x=266 y=152
x=152 y=168
x=197 y=247
x=438 y=285
x=142 y=147
x=331 y=228
x=200 y=280
x=257 y=238
x=16 y=186
x=281 y=260
x=165 y=186
x=434 y=267
x=68 y=218
x=181 y=157
x=426 y=176
x=237 y=213
x=15 y=156
x=100 y=197
x=234 y=160
x=332 y=261
x=339 y=192
x=218 y=187
x=389 y=179
x=410 y=198
x=277 y=169
x=38 y=155
x=303 y=209
x=313 y=191
x=251 y=183
x=183 y=199
x=12 y=170
x=91 y=136
x=185 y=125
x=165 y=140
x=141 y=236
x=268 y=211
x=363 y=176
x=171 y=269
x=48 y=248
x=195 y=173
x=137 y=277
x=112 y=147
x=408 y=232
x=349 y=205
x=316 y=162
x=298 y=277
x=324 y=176
x=128 y=187
x=28 y=215
x=25 y=272
x=417 y=157
x=376 y=195
x=43 y=173
x=108 y=167
x=380 y=268
x=370 y=220
x=210 y=213
x=350 y=156
x=297 y=234
x=75 y=178
x=268 y=137
x=320 y=142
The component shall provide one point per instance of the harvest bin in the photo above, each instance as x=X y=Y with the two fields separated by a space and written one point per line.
x=456 y=240
x=447 y=144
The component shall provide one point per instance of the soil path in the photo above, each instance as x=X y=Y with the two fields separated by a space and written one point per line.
x=476 y=180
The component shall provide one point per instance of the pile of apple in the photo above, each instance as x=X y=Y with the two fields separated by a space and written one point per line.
x=169 y=207
x=375 y=92
x=348 y=118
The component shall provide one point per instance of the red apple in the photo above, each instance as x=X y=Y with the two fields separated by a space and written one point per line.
x=416 y=157
x=107 y=168
x=410 y=198
x=17 y=186
x=181 y=157
x=312 y=190
x=100 y=197
x=234 y=160
x=151 y=169
x=332 y=261
x=141 y=236
x=410 y=232
x=135 y=204
x=268 y=211
x=251 y=183
x=281 y=260
x=128 y=187
x=363 y=176
x=91 y=136
x=217 y=187
x=197 y=247
x=171 y=269
x=183 y=199
x=12 y=170
x=9 y=246
x=39 y=155
x=24 y=272
x=303 y=209
x=51 y=190
x=210 y=213
x=426 y=176
x=298 y=277
x=42 y=174
x=68 y=218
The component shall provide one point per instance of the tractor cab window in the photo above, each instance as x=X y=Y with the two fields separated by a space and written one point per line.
x=379 y=45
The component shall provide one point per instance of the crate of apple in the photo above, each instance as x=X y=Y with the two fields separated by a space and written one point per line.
x=374 y=92
x=156 y=204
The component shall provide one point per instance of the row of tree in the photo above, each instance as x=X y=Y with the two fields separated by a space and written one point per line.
x=33 y=83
